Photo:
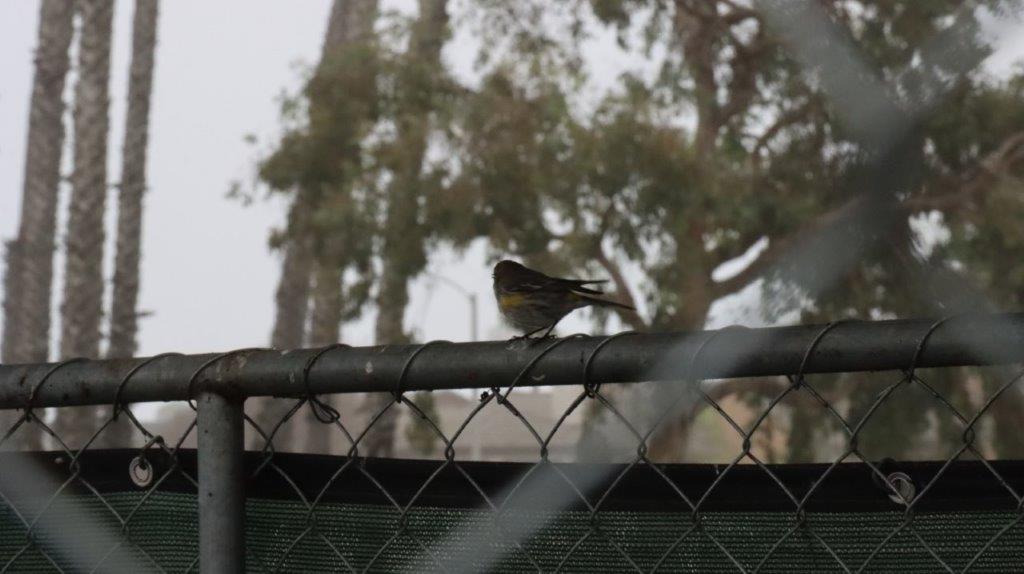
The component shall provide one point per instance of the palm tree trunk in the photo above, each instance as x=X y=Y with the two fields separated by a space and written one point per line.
x=81 y=310
x=28 y=279
x=124 y=312
x=403 y=250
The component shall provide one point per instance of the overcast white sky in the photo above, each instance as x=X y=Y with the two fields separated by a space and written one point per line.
x=207 y=273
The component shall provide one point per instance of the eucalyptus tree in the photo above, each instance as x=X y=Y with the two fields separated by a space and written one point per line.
x=355 y=159
x=313 y=163
x=417 y=84
x=737 y=146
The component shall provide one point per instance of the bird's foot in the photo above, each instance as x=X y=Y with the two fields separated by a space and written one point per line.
x=518 y=342
x=526 y=341
x=548 y=337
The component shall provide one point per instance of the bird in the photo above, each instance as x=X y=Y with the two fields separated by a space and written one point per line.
x=532 y=301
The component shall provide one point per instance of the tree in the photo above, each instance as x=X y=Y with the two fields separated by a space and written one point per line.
x=314 y=255
x=292 y=298
x=124 y=308
x=124 y=312
x=742 y=143
x=81 y=310
x=346 y=39
x=772 y=156
x=292 y=305
x=403 y=249
x=358 y=154
x=325 y=329
x=29 y=274
x=348 y=32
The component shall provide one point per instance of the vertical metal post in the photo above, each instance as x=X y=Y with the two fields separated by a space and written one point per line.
x=221 y=484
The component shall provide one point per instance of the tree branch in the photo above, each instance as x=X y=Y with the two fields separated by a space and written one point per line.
x=784 y=119
x=744 y=66
x=996 y=163
x=738 y=14
x=778 y=248
x=695 y=26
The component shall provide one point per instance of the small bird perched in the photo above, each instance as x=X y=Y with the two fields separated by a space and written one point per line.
x=533 y=301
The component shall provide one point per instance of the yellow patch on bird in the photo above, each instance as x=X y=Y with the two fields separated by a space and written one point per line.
x=511 y=300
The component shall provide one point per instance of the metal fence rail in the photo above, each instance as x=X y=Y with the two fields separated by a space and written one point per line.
x=623 y=358
x=220 y=383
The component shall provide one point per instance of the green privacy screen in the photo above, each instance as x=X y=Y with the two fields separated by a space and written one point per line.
x=417 y=516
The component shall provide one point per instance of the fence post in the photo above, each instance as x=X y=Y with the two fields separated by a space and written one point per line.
x=221 y=484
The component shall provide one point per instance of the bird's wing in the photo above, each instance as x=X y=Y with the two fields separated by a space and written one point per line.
x=524 y=287
x=530 y=280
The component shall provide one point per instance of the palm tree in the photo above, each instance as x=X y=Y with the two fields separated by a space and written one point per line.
x=81 y=311
x=124 y=313
x=29 y=275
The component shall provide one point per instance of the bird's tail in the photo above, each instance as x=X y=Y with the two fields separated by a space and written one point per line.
x=581 y=285
x=603 y=302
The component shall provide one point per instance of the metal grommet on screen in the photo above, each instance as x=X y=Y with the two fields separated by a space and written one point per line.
x=140 y=471
x=903 y=486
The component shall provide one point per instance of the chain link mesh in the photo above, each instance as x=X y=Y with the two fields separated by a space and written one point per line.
x=503 y=534
x=76 y=491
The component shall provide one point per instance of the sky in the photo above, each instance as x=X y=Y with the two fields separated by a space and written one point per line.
x=208 y=276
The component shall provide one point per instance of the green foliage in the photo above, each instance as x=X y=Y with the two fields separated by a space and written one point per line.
x=732 y=142
x=319 y=159
x=353 y=143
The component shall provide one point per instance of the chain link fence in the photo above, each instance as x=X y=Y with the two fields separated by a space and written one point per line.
x=160 y=506
x=187 y=497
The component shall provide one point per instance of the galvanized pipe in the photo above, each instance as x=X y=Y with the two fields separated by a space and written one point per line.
x=221 y=484
x=737 y=352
